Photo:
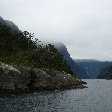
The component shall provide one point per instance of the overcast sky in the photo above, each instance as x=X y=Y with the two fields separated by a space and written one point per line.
x=84 y=26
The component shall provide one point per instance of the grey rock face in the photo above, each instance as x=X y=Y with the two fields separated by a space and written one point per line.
x=19 y=78
x=6 y=79
x=9 y=24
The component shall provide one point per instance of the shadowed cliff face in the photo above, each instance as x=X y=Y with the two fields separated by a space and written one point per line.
x=79 y=71
x=106 y=73
x=92 y=67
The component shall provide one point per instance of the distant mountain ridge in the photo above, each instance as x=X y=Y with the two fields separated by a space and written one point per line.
x=92 y=67
x=9 y=24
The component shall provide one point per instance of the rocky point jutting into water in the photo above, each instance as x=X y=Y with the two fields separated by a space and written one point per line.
x=15 y=79
x=27 y=65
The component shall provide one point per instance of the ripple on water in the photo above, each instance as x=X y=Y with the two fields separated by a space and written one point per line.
x=96 y=98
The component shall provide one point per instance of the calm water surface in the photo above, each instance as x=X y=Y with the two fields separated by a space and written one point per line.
x=96 y=98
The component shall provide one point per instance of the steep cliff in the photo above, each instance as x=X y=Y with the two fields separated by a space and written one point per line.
x=105 y=73
x=79 y=71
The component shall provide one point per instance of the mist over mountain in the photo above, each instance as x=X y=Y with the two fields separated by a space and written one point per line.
x=74 y=67
x=59 y=46
x=92 y=67
x=2 y=21
x=84 y=68
x=9 y=24
x=20 y=54
x=12 y=26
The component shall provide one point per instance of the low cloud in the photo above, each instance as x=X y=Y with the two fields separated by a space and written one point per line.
x=84 y=26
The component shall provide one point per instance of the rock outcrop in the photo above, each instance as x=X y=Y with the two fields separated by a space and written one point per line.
x=16 y=79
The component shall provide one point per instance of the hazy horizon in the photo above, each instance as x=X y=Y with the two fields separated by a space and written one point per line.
x=84 y=26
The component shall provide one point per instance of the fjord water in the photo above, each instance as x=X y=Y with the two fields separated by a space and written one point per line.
x=96 y=98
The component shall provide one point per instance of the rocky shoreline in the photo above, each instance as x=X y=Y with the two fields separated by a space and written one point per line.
x=19 y=79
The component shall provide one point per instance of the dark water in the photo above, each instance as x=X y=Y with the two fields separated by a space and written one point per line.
x=96 y=98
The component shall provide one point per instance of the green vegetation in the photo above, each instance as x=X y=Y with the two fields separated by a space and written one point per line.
x=23 y=49
x=12 y=42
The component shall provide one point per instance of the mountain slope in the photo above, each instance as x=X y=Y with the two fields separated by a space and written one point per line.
x=74 y=67
x=59 y=46
x=105 y=73
x=2 y=21
x=20 y=49
x=12 y=26
x=92 y=67
x=27 y=66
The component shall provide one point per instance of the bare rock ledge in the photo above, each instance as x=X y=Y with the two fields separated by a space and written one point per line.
x=19 y=79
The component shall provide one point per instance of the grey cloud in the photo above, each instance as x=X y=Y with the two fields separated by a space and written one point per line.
x=85 y=26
